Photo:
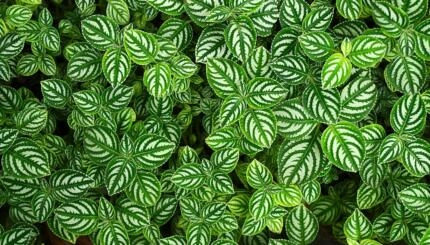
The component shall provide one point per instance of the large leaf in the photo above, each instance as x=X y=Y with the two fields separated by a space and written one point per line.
x=211 y=44
x=116 y=66
x=336 y=71
x=416 y=157
x=407 y=74
x=151 y=151
x=357 y=226
x=140 y=46
x=240 y=37
x=300 y=161
x=408 y=115
x=26 y=159
x=263 y=93
x=392 y=20
x=293 y=120
x=416 y=198
x=100 y=31
x=259 y=127
x=69 y=185
x=344 y=146
x=101 y=144
x=301 y=225
x=79 y=217
x=358 y=98
x=119 y=174
x=366 y=51
x=322 y=105
x=225 y=77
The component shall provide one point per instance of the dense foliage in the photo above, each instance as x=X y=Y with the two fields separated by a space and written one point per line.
x=215 y=121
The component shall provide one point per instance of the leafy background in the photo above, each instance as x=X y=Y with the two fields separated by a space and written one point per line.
x=215 y=121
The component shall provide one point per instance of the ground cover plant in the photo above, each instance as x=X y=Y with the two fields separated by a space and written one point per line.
x=215 y=121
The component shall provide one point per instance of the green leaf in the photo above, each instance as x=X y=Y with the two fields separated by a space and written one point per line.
x=182 y=67
x=141 y=47
x=7 y=137
x=373 y=173
x=119 y=174
x=190 y=176
x=317 y=45
x=398 y=230
x=27 y=65
x=225 y=160
x=245 y=6
x=357 y=226
x=211 y=44
x=226 y=137
x=349 y=9
x=56 y=92
x=113 y=233
x=170 y=7
x=318 y=19
x=56 y=228
x=50 y=39
x=231 y=110
x=260 y=204
x=151 y=151
x=116 y=99
x=100 y=31
x=79 y=217
x=84 y=66
x=366 y=51
x=178 y=31
x=253 y=226
x=240 y=37
x=263 y=93
x=145 y=189
x=118 y=11
x=257 y=64
x=416 y=157
x=416 y=198
x=358 y=98
x=284 y=42
x=336 y=71
x=18 y=15
x=344 y=145
x=101 y=144
x=391 y=148
x=69 y=185
x=158 y=80
x=218 y=14
x=42 y=205
x=392 y=20
x=198 y=233
x=133 y=216
x=212 y=212
x=11 y=45
x=4 y=70
x=301 y=225
x=291 y=69
x=323 y=105
x=23 y=189
x=25 y=159
x=408 y=115
x=116 y=66
x=47 y=66
x=422 y=39
x=265 y=17
x=225 y=77
x=311 y=191
x=300 y=161
x=259 y=127
x=368 y=196
x=287 y=196
x=18 y=236
x=293 y=12
x=31 y=120
x=106 y=210
x=87 y=101
x=10 y=99
x=258 y=175
x=407 y=74
x=293 y=121
x=221 y=183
